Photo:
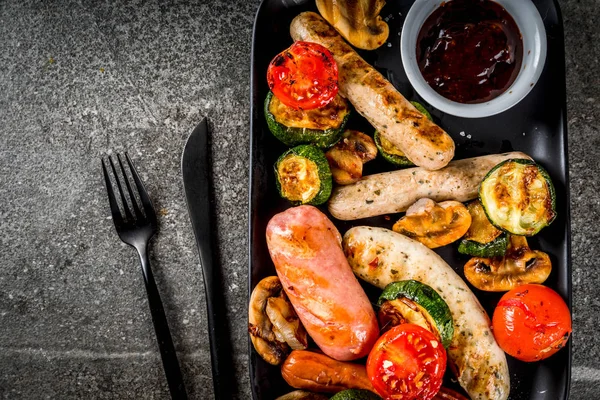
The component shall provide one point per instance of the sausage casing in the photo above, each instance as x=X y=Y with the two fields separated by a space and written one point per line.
x=313 y=371
x=376 y=99
x=306 y=249
x=380 y=256
x=393 y=192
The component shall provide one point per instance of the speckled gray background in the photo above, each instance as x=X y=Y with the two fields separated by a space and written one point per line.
x=82 y=79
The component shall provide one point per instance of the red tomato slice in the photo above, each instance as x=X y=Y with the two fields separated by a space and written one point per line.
x=304 y=77
x=407 y=362
x=531 y=322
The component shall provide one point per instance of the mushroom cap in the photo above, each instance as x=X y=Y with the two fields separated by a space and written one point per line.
x=358 y=21
x=520 y=265
x=260 y=327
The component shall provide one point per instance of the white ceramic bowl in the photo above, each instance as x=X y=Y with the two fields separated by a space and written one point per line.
x=533 y=32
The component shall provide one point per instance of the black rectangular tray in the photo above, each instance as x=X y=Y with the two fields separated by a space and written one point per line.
x=536 y=126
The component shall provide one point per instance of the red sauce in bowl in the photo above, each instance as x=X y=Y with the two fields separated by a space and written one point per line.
x=470 y=51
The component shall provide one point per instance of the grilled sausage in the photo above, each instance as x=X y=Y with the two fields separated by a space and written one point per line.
x=313 y=371
x=393 y=192
x=380 y=256
x=376 y=99
x=307 y=252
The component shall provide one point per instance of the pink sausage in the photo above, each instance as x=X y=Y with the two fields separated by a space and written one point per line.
x=307 y=252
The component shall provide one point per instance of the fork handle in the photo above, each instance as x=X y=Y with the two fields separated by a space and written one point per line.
x=161 y=327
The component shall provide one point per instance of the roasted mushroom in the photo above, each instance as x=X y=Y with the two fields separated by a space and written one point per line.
x=272 y=322
x=520 y=265
x=347 y=157
x=358 y=21
x=286 y=325
x=434 y=224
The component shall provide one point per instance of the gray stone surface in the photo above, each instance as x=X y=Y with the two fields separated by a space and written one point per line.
x=82 y=79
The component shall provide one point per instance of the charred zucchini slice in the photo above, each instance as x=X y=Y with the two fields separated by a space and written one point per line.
x=518 y=197
x=303 y=175
x=422 y=109
x=482 y=239
x=391 y=153
x=322 y=127
x=355 y=394
x=414 y=302
x=495 y=248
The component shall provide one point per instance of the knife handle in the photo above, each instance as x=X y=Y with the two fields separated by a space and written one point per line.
x=196 y=169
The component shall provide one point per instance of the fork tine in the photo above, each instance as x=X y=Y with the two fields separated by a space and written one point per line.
x=114 y=207
x=136 y=209
x=125 y=206
x=146 y=203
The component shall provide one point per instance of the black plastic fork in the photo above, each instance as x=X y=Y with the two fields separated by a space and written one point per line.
x=136 y=229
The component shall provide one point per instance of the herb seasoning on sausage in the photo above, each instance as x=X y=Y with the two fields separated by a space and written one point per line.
x=470 y=51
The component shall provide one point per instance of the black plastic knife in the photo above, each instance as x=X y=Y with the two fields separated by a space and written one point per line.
x=197 y=183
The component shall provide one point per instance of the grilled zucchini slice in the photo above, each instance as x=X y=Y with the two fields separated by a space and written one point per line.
x=391 y=153
x=422 y=109
x=416 y=303
x=303 y=176
x=518 y=197
x=355 y=394
x=482 y=239
x=322 y=127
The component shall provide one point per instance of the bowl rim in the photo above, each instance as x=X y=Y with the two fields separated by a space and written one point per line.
x=534 y=59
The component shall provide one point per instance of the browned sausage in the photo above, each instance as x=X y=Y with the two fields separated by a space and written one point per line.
x=306 y=249
x=376 y=99
x=393 y=192
x=317 y=372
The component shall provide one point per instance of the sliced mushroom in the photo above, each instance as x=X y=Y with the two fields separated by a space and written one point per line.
x=520 y=265
x=286 y=324
x=272 y=338
x=434 y=224
x=358 y=21
x=347 y=157
x=404 y=311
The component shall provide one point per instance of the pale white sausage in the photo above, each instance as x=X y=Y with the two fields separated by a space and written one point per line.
x=380 y=256
x=376 y=99
x=393 y=192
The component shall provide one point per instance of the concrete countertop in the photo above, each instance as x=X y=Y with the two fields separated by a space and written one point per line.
x=81 y=79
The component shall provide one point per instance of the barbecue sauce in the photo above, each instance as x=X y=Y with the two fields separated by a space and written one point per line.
x=470 y=51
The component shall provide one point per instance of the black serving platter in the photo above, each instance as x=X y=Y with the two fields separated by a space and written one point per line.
x=536 y=126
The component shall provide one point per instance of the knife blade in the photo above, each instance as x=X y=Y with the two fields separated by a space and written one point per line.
x=195 y=168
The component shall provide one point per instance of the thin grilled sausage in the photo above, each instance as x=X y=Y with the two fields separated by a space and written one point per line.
x=393 y=192
x=313 y=371
x=376 y=99
x=380 y=256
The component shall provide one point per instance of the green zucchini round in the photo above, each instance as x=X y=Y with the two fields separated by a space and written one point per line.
x=293 y=136
x=395 y=156
x=355 y=394
x=482 y=239
x=303 y=176
x=422 y=109
x=495 y=248
x=518 y=197
x=428 y=300
x=392 y=154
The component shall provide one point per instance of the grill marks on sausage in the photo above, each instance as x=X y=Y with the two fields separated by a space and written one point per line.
x=377 y=100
